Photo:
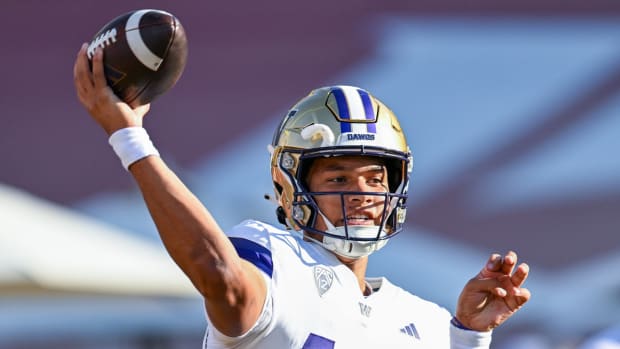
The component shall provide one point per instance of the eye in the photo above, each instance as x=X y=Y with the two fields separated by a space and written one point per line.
x=376 y=180
x=340 y=179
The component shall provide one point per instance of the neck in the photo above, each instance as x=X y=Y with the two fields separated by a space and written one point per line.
x=358 y=267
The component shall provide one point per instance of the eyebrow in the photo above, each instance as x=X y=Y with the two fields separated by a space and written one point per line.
x=339 y=167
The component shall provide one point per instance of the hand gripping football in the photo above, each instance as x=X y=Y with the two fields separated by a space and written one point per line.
x=144 y=54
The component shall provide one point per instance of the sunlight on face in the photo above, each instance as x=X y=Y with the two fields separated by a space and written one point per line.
x=349 y=174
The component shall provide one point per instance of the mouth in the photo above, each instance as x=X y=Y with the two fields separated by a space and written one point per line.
x=359 y=220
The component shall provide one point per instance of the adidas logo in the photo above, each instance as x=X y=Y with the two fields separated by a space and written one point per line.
x=410 y=330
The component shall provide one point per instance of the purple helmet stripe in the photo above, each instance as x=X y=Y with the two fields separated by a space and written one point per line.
x=370 y=113
x=343 y=109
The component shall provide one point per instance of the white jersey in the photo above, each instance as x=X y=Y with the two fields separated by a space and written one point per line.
x=314 y=302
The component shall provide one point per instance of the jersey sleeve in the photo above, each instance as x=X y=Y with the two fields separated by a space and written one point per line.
x=215 y=339
x=251 y=241
x=468 y=339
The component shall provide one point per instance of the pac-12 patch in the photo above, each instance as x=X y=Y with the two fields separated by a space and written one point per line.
x=323 y=279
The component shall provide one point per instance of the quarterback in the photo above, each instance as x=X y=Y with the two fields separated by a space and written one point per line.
x=340 y=166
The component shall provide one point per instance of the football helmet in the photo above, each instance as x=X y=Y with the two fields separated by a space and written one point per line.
x=339 y=121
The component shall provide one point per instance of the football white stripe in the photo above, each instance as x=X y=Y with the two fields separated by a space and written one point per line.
x=137 y=45
x=356 y=108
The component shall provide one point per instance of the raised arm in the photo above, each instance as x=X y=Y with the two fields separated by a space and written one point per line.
x=233 y=288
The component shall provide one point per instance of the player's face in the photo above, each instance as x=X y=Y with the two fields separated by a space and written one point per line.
x=349 y=174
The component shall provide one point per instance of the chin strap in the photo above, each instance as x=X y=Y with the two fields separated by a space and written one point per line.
x=351 y=248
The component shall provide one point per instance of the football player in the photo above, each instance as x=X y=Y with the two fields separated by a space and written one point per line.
x=340 y=166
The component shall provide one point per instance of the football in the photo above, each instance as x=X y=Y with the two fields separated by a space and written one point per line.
x=144 y=54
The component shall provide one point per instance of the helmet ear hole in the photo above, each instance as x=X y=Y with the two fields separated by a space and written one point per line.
x=395 y=175
x=281 y=215
x=278 y=187
x=304 y=170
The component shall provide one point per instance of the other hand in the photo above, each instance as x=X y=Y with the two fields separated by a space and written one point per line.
x=495 y=294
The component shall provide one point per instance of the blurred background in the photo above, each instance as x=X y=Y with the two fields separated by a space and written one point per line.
x=512 y=110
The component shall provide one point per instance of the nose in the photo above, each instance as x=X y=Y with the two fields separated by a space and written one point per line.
x=361 y=185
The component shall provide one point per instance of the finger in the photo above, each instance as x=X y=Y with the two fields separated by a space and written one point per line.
x=81 y=71
x=487 y=285
x=500 y=292
x=98 y=72
x=508 y=262
x=494 y=263
x=513 y=296
x=516 y=301
x=520 y=275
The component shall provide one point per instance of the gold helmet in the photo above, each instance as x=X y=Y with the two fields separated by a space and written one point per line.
x=338 y=121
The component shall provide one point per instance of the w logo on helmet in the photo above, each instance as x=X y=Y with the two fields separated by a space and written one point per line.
x=354 y=108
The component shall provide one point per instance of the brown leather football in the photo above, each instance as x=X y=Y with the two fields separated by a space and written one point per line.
x=145 y=52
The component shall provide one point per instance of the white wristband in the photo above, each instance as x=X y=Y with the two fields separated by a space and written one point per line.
x=132 y=144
